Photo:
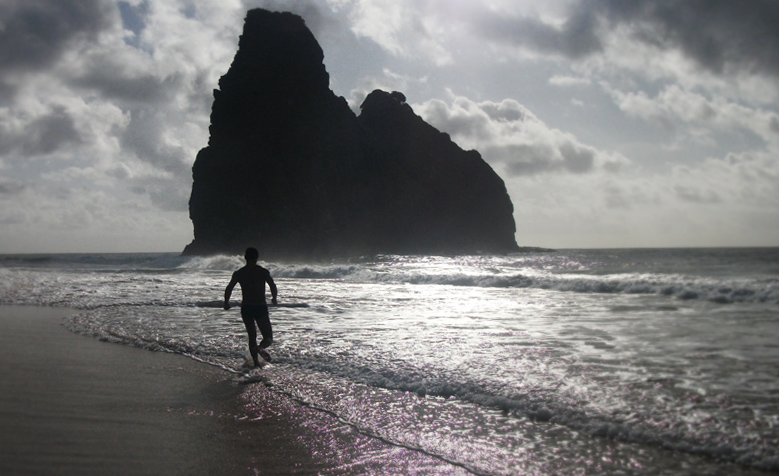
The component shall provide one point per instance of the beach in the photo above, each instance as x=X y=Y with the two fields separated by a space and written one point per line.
x=74 y=405
x=71 y=404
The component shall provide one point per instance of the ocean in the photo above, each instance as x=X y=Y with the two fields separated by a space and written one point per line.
x=634 y=361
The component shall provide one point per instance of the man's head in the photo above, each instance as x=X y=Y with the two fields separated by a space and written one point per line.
x=251 y=255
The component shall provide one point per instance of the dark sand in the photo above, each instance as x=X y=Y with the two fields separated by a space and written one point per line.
x=72 y=405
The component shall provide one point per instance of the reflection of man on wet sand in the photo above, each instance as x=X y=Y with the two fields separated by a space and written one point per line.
x=254 y=308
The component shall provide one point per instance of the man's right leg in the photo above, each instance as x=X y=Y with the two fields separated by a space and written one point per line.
x=263 y=322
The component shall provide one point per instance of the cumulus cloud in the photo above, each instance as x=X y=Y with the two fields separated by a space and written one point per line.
x=162 y=194
x=576 y=37
x=104 y=105
x=42 y=135
x=66 y=220
x=404 y=28
x=435 y=29
x=147 y=137
x=675 y=105
x=508 y=133
x=319 y=17
x=383 y=21
x=719 y=45
x=35 y=33
x=569 y=194
x=730 y=201
x=568 y=81
x=115 y=78
x=107 y=99
x=387 y=81
x=10 y=188
x=719 y=35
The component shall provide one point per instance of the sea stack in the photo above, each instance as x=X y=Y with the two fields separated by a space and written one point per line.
x=292 y=171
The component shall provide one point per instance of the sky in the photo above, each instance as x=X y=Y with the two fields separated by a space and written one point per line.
x=648 y=123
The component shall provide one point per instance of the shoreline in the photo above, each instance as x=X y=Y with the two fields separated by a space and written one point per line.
x=72 y=404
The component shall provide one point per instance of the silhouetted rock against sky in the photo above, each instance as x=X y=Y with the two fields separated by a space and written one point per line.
x=291 y=170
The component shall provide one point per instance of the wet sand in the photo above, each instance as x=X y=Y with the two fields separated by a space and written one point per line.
x=70 y=404
x=73 y=405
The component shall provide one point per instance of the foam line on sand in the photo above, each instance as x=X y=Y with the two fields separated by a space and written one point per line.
x=70 y=404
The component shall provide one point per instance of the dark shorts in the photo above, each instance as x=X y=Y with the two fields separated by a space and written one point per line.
x=258 y=314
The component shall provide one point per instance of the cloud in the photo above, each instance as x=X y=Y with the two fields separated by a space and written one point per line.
x=115 y=76
x=387 y=81
x=88 y=219
x=383 y=21
x=437 y=30
x=576 y=37
x=319 y=19
x=695 y=195
x=134 y=18
x=508 y=133
x=146 y=136
x=10 y=188
x=674 y=107
x=717 y=45
x=35 y=33
x=120 y=171
x=732 y=201
x=719 y=35
x=164 y=194
x=44 y=134
x=568 y=81
x=403 y=28
x=105 y=105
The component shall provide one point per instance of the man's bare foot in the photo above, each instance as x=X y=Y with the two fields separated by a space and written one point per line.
x=265 y=355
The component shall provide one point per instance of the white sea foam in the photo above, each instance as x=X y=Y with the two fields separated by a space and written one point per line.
x=717 y=289
x=541 y=397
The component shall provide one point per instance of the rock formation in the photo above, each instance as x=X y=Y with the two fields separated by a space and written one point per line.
x=291 y=170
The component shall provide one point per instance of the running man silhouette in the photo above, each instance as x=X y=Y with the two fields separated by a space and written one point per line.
x=254 y=308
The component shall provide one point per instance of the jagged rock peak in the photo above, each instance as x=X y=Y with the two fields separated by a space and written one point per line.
x=291 y=170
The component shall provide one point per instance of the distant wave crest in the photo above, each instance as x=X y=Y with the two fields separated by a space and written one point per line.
x=718 y=290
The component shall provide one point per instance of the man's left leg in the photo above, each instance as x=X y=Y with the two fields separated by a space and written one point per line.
x=263 y=322
x=248 y=321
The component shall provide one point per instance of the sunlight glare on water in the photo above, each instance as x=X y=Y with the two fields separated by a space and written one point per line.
x=559 y=363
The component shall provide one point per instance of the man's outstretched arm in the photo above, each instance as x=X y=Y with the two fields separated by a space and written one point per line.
x=229 y=291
